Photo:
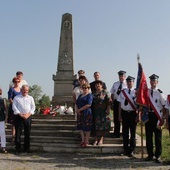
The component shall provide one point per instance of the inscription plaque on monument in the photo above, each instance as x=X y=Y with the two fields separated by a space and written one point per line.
x=65 y=69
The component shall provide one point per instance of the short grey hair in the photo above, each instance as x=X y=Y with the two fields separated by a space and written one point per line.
x=24 y=85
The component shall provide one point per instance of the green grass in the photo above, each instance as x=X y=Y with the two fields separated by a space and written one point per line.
x=165 y=142
x=165 y=145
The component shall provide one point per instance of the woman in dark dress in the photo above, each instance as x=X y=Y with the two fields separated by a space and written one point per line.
x=101 y=111
x=84 y=118
x=13 y=91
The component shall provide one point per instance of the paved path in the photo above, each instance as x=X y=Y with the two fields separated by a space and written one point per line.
x=75 y=161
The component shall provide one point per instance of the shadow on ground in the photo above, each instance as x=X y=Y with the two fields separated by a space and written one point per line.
x=75 y=160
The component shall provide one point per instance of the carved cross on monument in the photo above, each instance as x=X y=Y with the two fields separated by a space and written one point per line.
x=65 y=69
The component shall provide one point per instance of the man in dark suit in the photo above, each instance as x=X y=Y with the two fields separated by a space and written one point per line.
x=96 y=77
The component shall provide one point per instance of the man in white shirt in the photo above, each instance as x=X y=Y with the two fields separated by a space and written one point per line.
x=19 y=75
x=128 y=116
x=155 y=121
x=23 y=107
x=115 y=91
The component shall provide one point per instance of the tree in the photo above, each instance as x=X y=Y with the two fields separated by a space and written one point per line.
x=36 y=92
x=44 y=101
x=41 y=101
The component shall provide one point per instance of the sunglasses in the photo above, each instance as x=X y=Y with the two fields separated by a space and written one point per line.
x=84 y=87
x=16 y=81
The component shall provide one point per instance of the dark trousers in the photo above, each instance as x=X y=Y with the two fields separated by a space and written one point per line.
x=21 y=123
x=150 y=128
x=116 y=119
x=129 y=123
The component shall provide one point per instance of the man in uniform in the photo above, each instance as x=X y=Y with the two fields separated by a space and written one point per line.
x=96 y=77
x=128 y=116
x=155 y=116
x=115 y=91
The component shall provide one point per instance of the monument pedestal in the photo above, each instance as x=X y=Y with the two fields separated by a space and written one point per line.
x=63 y=89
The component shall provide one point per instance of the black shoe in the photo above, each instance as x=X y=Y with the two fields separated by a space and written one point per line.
x=131 y=154
x=158 y=160
x=4 y=151
x=116 y=136
x=124 y=154
x=17 y=152
x=27 y=151
x=149 y=158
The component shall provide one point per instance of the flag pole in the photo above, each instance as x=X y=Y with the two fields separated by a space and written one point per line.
x=141 y=124
x=141 y=140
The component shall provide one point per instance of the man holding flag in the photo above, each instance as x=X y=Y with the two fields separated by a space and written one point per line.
x=152 y=101
x=142 y=99
x=155 y=116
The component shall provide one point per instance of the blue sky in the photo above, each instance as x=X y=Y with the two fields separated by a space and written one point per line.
x=107 y=36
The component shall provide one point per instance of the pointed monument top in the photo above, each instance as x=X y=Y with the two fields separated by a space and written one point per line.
x=66 y=14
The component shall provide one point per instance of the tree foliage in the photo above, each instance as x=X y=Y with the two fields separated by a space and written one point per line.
x=36 y=92
x=41 y=100
x=44 y=101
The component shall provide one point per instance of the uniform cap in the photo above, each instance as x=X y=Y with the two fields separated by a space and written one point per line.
x=154 y=77
x=130 y=78
x=121 y=72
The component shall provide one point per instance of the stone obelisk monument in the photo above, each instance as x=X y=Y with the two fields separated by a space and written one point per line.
x=64 y=77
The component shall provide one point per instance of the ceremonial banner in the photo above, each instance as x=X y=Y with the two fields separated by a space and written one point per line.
x=142 y=93
x=168 y=104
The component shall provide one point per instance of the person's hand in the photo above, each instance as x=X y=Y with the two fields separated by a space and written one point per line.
x=137 y=118
x=78 y=111
x=21 y=115
x=107 y=112
x=26 y=116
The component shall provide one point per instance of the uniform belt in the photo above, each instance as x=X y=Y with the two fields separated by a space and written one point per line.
x=128 y=110
x=151 y=111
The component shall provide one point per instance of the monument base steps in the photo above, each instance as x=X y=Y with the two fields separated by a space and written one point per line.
x=59 y=134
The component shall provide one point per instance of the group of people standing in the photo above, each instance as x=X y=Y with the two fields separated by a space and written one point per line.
x=18 y=114
x=93 y=103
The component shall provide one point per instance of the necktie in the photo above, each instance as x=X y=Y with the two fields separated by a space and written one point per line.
x=151 y=93
x=119 y=88
x=126 y=101
x=129 y=91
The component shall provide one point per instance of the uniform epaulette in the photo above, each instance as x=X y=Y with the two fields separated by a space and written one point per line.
x=160 y=91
